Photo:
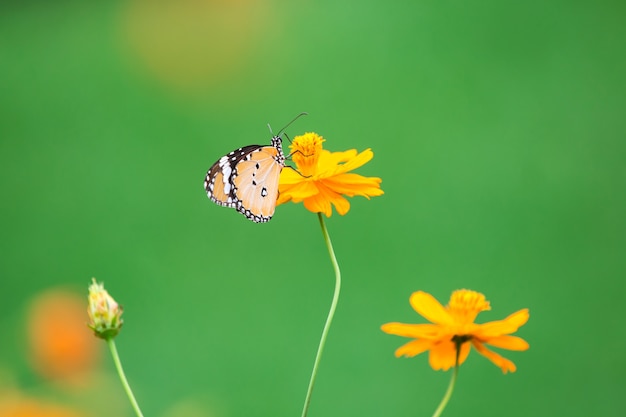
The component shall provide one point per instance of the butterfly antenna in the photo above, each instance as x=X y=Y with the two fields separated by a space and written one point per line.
x=287 y=125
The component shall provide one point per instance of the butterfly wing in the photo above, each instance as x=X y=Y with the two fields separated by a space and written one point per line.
x=256 y=183
x=218 y=182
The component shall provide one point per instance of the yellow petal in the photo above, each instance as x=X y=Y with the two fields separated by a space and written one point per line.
x=354 y=184
x=283 y=198
x=290 y=176
x=503 y=363
x=508 y=342
x=431 y=309
x=333 y=163
x=318 y=204
x=300 y=191
x=414 y=347
x=356 y=161
x=330 y=197
x=507 y=326
x=330 y=160
x=341 y=204
x=417 y=331
x=443 y=354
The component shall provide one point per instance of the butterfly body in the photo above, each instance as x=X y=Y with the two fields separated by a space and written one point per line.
x=246 y=179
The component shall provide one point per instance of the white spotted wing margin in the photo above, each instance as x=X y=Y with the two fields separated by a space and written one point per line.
x=246 y=179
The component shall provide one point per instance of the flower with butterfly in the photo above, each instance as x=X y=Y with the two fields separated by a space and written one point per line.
x=252 y=180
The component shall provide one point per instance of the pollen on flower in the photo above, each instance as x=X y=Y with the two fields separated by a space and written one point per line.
x=466 y=304
x=305 y=152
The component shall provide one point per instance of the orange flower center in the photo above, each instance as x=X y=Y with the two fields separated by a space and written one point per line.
x=305 y=152
x=465 y=305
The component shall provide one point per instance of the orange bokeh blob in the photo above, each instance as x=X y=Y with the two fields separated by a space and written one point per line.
x=61 y=346
x=28 y=407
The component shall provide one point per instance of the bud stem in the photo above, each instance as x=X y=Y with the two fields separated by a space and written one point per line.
x=120 y=371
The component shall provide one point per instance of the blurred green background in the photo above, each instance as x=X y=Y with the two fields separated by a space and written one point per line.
x=498 y=129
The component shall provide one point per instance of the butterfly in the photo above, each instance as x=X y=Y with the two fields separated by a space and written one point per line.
x=246 y=179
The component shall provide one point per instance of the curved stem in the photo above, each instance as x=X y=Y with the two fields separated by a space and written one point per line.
x=448 y=394
x=120 y=371
x=331 y=313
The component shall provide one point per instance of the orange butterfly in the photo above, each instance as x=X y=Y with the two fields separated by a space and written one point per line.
x=246 y=179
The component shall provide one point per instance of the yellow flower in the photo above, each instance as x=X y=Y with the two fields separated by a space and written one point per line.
x=454 y=324
x=323 y=179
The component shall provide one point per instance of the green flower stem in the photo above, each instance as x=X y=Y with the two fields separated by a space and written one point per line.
x=329 y=319
x=455 y=372
x=120 y=371
x=446 y=397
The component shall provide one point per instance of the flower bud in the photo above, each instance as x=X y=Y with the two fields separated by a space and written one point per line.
x=104 y=312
